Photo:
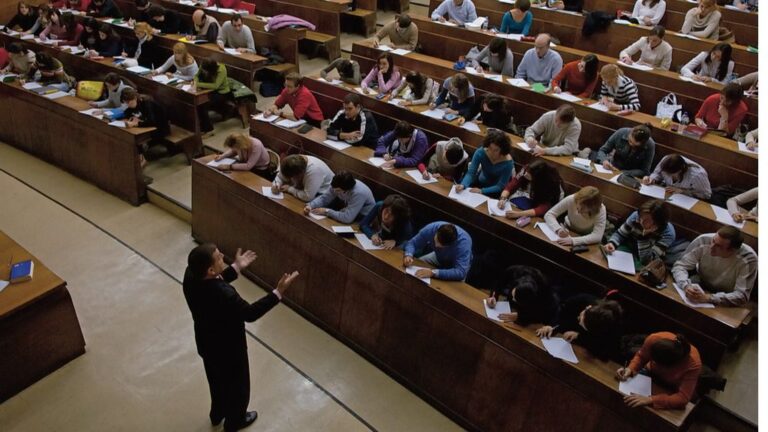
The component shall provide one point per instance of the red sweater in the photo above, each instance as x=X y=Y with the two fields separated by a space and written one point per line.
x=302 y=102
x=519 y=181
x=575 y=81
x=708 y=113
x=684 y=376
x=3 y=57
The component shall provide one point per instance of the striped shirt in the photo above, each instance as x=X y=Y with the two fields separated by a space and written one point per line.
x=650 y=245
x=624 y=94
x=694 y=182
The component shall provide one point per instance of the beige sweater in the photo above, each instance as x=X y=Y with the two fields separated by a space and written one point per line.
x=407 y=39
x=706 y=27
x=590 y=229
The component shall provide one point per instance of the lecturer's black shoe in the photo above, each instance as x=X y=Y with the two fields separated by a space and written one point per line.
x=250 y=417
x=216 y=420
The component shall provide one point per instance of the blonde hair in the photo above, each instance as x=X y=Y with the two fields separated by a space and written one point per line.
x=610 y=72
x=238 y=141
x=144 y=28
x=589 y=197
x=181 y=48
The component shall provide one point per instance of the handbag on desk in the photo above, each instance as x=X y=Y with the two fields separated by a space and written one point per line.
x=654 y=273
x=667 y=106
x=89 y=90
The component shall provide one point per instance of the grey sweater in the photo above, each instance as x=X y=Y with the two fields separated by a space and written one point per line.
x=316 y=181
x=113 y=97
x=358 y=202
x=557 y=141
x=232 y=38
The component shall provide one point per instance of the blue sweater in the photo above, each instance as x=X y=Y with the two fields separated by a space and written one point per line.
x=454 y=259
x=371 y=224
x=509 y=25
x=414 y=150
x=358 y=202
x=464 y=108
x=490 y=178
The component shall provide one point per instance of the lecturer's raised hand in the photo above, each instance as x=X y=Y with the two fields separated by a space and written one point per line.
x=285 y=281
x=244 y=259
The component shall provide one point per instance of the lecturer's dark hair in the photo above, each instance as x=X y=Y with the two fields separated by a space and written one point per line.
x=200 y=259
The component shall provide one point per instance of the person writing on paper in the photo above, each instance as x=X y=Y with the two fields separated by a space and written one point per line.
x=749 y=82
x=629 y=150
x=446 y=159
x=234 y=34
x=388 y=224
x=417 y=89
x=185 y=64
x=713 y=65
x=348 y=70
x=555 y=133
x=531 y=297
x=249 y=152
x=717 y=268
x=115 y=87
x=751 y=140
x=578 y=77
x=108 y=44
x=402 y=147
x=459 y=12
x=353 y=124
x=212 y=76
x=646 y=234
x=402 y=33
x=681 y=175
x=384 y=77
x=654 y=50
x=592 y=323
x=346 y=201
x=141 y=50
x=702 y=21
x=585 y=218
x=205 y=27
x=517 y=20
x=143 y=111
x=736 y=209
x=491 y=166
x=723 y=111
x=540 y=64
x=20 y=60
x=535 y=189
x=90 y=35
x=51 y=72
x=219 y=314
x=303 y=176
x=25 y=21
x=444 y=246
x=62 y=29
x=459 y=93
x=670 y=359
x=618 y=92
x=497 y=56
x=493 y=110
x=296 y=102
x=649 y=12
x=104 y=9
x=164 y=20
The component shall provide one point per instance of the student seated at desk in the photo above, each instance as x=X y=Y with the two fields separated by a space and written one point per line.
x=346 y=201
x=531 y=297
x=648 y=12
x=108 y=44
x=384 y=77
x=568 y=5
x=389 y=224
x=20 y=60
x=517 y=20
x=353 y=124
x=185 y=64
x=303 y=176
x=25 y=20
x=670 y=360
x=703 y=21
x=417 y=89
x=104 y=9
x=459 y=12
x=555 y=133
x=654 y=50
x=646 y=234
x=51 y=72
x=749 y=83
x=205 y=27
x=540 y=64
x=618 y=92
x=590 y=322
x=629 y=150
x=143 y=111
x=142 y=6
x=296 y=102
x=751 y=140
x=443 y=245
x=715 y=65
x=578 y=77
x=585 y=218
x=497 y=57
x=115 y=87
x=717 y=268
x=77 y=5
x=736 y=206
x=460 y=95
x=681 y=175
x=235 y=34
x=491 y=165
x=90 y=35
x=165 y=20
x=402 y=147
x=491 y=110
x=212 y=76
x=348 y=70
x=62 y=29
x=402 y=33
x=723 y=111
x=249 y=153
x=446 y=159
x=533 y=190
x=140 y=51
x=750 y=5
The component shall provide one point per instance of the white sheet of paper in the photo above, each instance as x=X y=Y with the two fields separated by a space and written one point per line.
x=361 y=91
x=476 y=23
x=412 y=271
x=495 y=77
x=268 y=119
x=467 y=198
x=448 y=23
x=396 y=101
x=723 y=216
x=342 y=229
x=621 y=21
x=653 y=191
x=732 y=7
x=117 y=123
x=500 y=308
x=685 y=78
x=513 y=36
x=3 y=284
x=638 y=384
x=567 y=97
x=560 y=348
x=743 y=148
x=385 y=47
x=317 y=216
x=471 y=70
x=598 y=106
x=90 y=112
x=187 y=87
x=56 y=95
x=602 y=170
x=290 y=124
x=690 y=303
x=524 y=146
x=161 y=78
x=138 y=69
x=416 y=176
x=689 y=36
x=494 y=210
x=376 y=161
x=31 y=85
x=518 y=82
x=267 y=192
x=436 y=113
x=621 y=261
x=400 y=51
x=582 y=161
x=225 y=161
x=471 y=126
x=366 y=243
x=683 y=201
x=332 y=81
x=551 y=235
x=615 y=179
x=338 y=145
x=636 y=65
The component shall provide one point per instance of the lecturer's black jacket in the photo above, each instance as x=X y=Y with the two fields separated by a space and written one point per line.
x=220 y=313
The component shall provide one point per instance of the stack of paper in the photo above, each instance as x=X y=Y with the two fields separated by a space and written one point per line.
x=567 y=96
x=400 y=51
x=91 y=112
x=551 y=235
x=412 y=271
x=290 y=124
x=598 y=106
x=338 y=145
x=376 y=161
x=685 y=78
x=267 y=192
x=331 y=81
x=494 y=210
x=31 y=85
x=141 y=70
x=471 y=126
x=232 y=51
x=622 y=22
x=467 y=198
x=187 y=87
x=636 y=66
x=342 y=229
x=56 y=95
x=513 y=36
x=266 y=118
x=495 y=77
x=317 y=216
x=723 y=216
x=471 y=70
x=225 y=161
x=436 y=113
x=582 y=164
x=502 y=307
x=560 y=348
x=518 y=82
x=448 y=23
x=621 y=261
x=396 y=101
x=384 y=47
x=366 y=243
x=653 y=191
x=602 y=170
x=681 y=293
x=417 y=177
x=524 y=146
x=118 y=123
x=638 y=384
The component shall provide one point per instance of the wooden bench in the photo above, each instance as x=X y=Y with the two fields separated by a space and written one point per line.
x=185 y=140
x=362 y=21
x=329 y=45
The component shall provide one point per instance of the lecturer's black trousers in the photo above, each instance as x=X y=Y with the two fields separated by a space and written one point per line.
x=230 y=385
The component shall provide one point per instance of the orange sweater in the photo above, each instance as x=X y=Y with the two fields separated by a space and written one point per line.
x=575 y=81
x=683 y=376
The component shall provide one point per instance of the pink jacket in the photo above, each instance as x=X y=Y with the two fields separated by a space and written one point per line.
x=384 y=86
x=282 y=20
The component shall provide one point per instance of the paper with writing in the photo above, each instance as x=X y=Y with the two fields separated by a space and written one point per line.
x=471 y=126
x=518 y=82
x=551 y=235
x=686 y=300
x=567 y=97
x=621 y=261
x=638 y=384
x=338 y=145
x=267 y=192
x=502 y=307
x=723 y=216
x=266 y=118
x=467 y=198
x=225 y=161
x=653 y=191
x=743 y=148
x=366 y=243
x=436 y=113
x=602 y=170
x=683 y=201
x=417 y=177
x=494 y=210
x=412 y=271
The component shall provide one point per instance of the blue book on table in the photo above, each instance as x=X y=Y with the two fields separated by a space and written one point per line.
x=22 y=271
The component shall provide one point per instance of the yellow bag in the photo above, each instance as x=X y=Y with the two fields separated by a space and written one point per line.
x=90 y=90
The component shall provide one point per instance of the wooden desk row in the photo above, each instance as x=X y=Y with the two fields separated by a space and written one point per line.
x=433 y=339
x=718 y=155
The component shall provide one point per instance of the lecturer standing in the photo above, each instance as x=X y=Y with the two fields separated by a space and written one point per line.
x=219 y=314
